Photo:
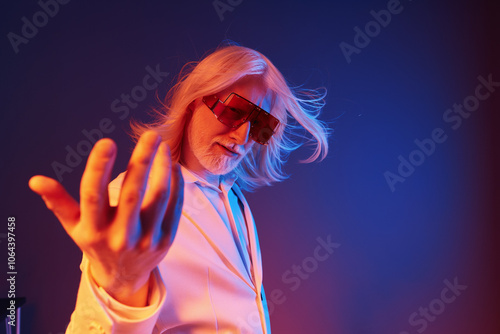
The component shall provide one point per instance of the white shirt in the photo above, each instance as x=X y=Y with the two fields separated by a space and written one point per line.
x=210 y=281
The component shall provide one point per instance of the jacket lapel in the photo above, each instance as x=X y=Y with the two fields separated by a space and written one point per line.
x=253 y=240
x=256 y=262
x=201 y=213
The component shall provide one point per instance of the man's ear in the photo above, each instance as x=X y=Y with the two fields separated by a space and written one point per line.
x=192 y=106
x=189 y=114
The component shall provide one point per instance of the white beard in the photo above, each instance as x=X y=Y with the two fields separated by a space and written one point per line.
x=215 y=162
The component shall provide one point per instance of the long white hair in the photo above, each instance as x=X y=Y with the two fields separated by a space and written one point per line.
x=296 y=110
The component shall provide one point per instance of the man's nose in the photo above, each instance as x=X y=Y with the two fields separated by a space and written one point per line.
x=241 y=134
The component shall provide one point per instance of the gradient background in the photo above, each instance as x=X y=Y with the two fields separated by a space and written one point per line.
x=397 y=247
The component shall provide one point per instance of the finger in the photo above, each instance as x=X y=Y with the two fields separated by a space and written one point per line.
x=155 y=200
x=134 y=184
x=57 y=200
x=94 y=198
x=174 y=206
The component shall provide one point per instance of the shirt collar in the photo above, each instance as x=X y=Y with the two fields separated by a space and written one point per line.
x=226 y=181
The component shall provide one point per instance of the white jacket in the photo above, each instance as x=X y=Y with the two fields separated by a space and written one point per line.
x=205 y=283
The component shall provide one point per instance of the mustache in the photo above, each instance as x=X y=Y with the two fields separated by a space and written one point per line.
x=232 y=147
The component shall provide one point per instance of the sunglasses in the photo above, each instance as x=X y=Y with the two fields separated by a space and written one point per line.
x=237 y=110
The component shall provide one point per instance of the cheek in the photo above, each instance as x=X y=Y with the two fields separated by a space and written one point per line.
x=209 y=125
x=198 y=133
x=195 y=132
x=202 y=132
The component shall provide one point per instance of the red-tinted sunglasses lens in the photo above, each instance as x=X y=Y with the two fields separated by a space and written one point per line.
x=262 y=127
x=237 y=110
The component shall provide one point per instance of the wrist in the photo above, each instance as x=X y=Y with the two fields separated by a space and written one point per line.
x=131 y=292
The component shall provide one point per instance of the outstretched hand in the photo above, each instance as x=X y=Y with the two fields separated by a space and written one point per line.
x=124 y=244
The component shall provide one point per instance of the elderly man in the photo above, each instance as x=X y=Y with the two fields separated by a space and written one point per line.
x=170 y=246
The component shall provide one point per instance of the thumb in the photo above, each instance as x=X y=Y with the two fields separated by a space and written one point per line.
x=57 y=199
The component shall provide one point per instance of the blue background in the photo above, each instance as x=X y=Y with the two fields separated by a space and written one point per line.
x=396 y=247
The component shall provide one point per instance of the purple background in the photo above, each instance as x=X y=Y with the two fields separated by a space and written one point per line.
x=396 y=247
